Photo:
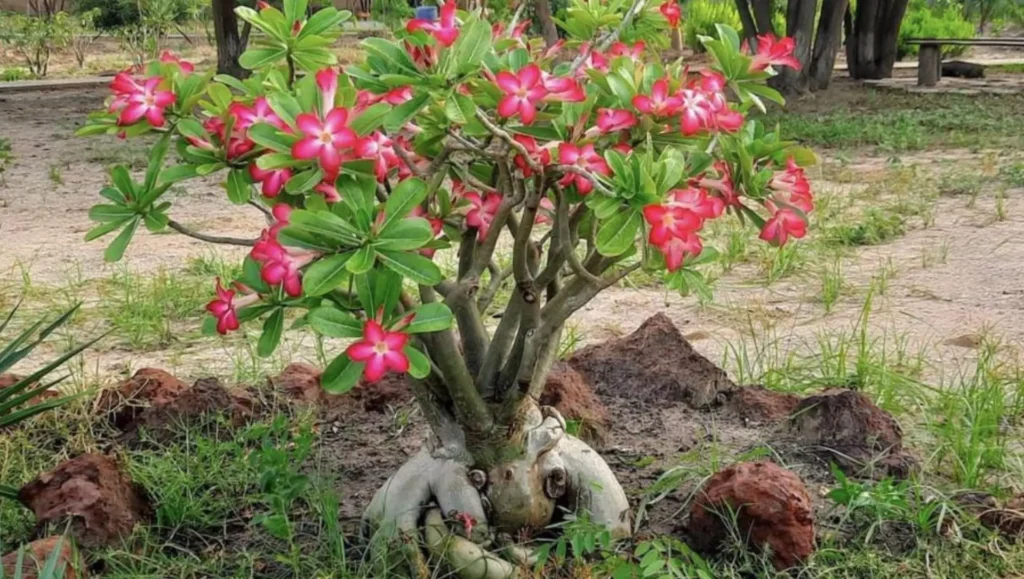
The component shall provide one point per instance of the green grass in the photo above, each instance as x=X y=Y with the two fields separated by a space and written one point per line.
x=892 y=121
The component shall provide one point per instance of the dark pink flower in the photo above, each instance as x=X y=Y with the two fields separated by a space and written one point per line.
x=538 y=154
x=277 y=266
x=523 y=91
x=223 y=309
x=436 y=225
x=272 y=180
x=594 y=60
x=612 y=120
x=792 y=188
x=723 y=185
x=380 y=149
x=146 y=100
x=694 y=110
x=482 y=211
x=697 y=202
x=660 y=103
x=328 y=189
x=563 y=89
x=324 y=140
x=670 y=10
x=445 y=31
x=259 y=112
x=669 y=221
x=677 y=249
x=784 y=223
x=636 y=51
x=772 y=51
x=185 y=66
x=623 y=147
x=327 y=82
x=381 y=351
x=397 y=96
x=585 y=158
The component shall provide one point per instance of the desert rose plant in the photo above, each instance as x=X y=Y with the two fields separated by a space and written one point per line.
x=553 y=171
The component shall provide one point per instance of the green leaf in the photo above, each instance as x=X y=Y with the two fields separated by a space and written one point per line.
x=177 y=173
x=419 y=364
x=239 y=190
x=326 y=274
x=304 y=181
x=123 y=181
x=407 y=195
x=256 y=58
x=271 y=336
x=370 y=119
x=405 y=234
x=618 y=234
x=156 y=160
x=322 y=22
x=404 y=112
x=116 y=248
x=103 y=229
x=412 y=266
x=363 y=260
x=324 y=224
x=432 y=317
x=473 y=43
x=391 y=53
x=107 y=213
x=334 y=323
x=270 y=137
x=341 y=375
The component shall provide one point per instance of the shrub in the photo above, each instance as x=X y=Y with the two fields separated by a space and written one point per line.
x=924 y=21
x=701 y=16
x=15 y=73
x=34 y=39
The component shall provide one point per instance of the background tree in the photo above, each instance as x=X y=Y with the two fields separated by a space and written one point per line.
x=817 y=28
x=231 y=42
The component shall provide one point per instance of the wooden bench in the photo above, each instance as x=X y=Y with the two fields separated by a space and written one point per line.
x=929 y=59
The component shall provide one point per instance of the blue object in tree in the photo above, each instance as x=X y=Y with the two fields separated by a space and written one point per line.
x=428 y=13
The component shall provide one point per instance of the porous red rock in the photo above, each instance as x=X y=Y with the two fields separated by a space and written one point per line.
x=760 y=405
x=146 y=388
x=769 y=505
x=37 y=553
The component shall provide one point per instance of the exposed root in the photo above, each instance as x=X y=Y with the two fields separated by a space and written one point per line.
x=469 y=560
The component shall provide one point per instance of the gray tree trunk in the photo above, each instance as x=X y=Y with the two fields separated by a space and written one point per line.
x=230 y=44
x=542 y=10
x=826 y=43
x=871 y=50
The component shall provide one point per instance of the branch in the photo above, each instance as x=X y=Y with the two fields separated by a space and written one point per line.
x=209 y=238
x=565 y=239
x=504 y=136
x=627 y=20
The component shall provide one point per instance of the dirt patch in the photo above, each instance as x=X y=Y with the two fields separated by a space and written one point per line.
x=94 y=493
x=760 y=501
x=845 y=427
x=301 y=383
x=146 y=388
x=572 y=397
x=205 y=398
x=37 y=553
x=654 y=363
x=757 y=404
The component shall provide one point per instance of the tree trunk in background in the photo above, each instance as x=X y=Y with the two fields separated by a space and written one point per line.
x=763 y=16
x=542 y=10
x=230 y=44
x=750 y=29
x=871 y=49
x=826 y=43
x=799 y=25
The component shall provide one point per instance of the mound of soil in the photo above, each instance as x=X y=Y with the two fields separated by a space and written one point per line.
x=93 y=493
x=36 y=555
x=756 y=404
x=572 y=397
x=847 y=428
x=653 y=364
x=148 y=387
x=8 y=380
x=769 y=504
x=206 y=397
x=301 y=383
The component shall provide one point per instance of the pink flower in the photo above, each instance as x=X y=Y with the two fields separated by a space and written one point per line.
x=262 y=5
x=585 y=158
x=223 y=309
x=259 y=112
x=272 y=180
x=697 y=202
x=695 y=111
x=482 y=212
x=328 y=189
x=784 y=223
x=772 y=51
x=539 y=155
x=397 y=96
x=612 y=120
x=723 y=185
x=636 y=52
x=380 y=350
x=622 y=147
x=563 y=89
x=727 y=120
x=670 y=10
x=659 y=104
x=677 y=249
x=522 y=93
x=594 y=60
x=712 y=81
x=278 y=267
x=169 y=57
x=545 y=211
x=327 y=81
x=669 y=221
x=791 y=187
x=436 y=225
x=144 y=100
x=445 y=32
x=498 y=30
x=380 y=149
x=324 y=140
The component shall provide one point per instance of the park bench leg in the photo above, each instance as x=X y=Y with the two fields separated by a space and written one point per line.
x=928 y=65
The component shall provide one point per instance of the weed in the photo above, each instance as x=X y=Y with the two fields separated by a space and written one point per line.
x=1011 y=174
x=56 y=175
x=831 y=284
x=875 y=226
x=1001 y=205
x=5 y=158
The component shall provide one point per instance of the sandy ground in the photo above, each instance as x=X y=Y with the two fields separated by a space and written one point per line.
x=956 y=281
